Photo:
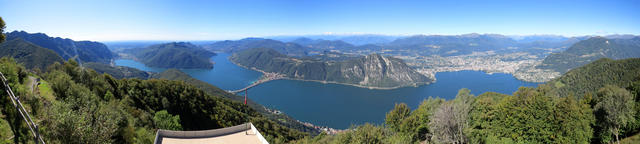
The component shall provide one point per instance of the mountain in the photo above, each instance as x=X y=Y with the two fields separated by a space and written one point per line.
x=173 y=55
x=368 y=39
x=117 y=71
x=534 y=38
x=374 y=71
x=452 y=45
x=305 y=41
x=322 y=45
x=597 y=74
x=291 y=49
x=30 y=55
x=332 y=56
x=117 y=46
x=87 y=51
x=354 y=39
x=620 y=36
x=591 y=49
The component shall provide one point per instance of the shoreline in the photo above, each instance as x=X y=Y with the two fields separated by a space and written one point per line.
x=516 y=75
x=333 y=82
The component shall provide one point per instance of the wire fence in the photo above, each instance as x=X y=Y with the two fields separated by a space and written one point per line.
x=23 y=112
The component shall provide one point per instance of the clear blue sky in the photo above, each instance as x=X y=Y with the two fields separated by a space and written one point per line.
x=215 y=20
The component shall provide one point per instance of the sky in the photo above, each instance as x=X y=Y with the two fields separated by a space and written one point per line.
x=112 y=20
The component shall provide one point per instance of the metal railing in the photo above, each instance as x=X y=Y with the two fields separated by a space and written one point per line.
x=23 y=112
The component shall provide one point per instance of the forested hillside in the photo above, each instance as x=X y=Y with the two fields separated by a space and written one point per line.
x=173 y=55
x=78 y=105
x=592 y=49
x=588 y=78
x=290 y=49
x=117 y=71
x=86 y=51
x=28 y=54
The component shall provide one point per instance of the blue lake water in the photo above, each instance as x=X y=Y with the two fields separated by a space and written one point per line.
x=340 y=106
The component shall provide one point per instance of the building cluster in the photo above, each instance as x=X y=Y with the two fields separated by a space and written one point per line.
x=521 y=65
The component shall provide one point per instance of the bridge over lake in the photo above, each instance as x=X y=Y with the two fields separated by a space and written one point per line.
x=265 y=78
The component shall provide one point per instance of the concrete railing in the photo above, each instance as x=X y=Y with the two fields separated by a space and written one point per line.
x=207 y=133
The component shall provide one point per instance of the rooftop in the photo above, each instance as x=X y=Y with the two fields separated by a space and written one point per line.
x=244 y=133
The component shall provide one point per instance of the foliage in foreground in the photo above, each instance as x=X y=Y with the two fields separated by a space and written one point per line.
x=88 y=106
x=607 y=108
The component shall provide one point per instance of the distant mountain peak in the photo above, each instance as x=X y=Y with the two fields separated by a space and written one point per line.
x=88 y=51
x=591 y=49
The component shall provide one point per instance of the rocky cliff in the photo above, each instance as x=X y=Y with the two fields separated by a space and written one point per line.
x=373 y=71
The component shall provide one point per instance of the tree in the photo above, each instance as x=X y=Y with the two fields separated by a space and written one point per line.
x=164 y=120
x=450 y=120
x=461 y=109
x=443 y=125
x=573 y=119
x=396 y=116
x=617 y=104
x=530 y=115
x=2 y=26
x=420 y=118
x=364 y=134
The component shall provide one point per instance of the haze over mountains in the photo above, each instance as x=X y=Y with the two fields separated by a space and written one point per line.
x=424 y=44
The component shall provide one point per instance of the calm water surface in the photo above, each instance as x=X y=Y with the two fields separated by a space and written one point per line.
x=340 y=106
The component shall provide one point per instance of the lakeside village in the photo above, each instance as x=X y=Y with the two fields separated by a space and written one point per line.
x=326 y=129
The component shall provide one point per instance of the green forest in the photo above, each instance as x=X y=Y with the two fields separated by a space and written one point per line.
x=76 y=105
x=173 y=55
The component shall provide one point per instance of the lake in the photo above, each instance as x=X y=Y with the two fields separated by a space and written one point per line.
x=340 y=106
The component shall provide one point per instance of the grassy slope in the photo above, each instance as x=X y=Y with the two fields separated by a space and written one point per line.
x=635 y=139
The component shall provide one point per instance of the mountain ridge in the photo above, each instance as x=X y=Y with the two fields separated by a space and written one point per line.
x=30 y=55
x=173 y=55
x=372 y=71
x=86 y=51
x=594 y=48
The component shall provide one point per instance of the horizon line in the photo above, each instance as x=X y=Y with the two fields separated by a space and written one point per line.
x=337 y=34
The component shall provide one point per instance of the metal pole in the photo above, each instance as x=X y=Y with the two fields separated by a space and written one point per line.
x=21 y=110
